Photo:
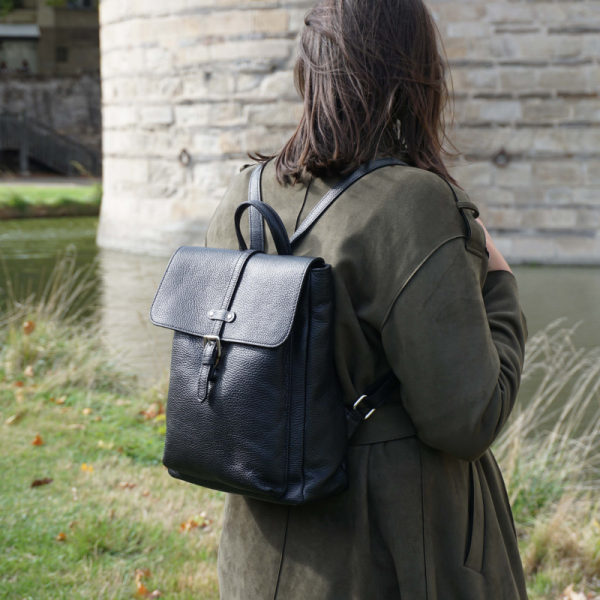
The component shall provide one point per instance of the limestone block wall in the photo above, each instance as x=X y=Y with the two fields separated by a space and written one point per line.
x=189 y=86
x=527 y=82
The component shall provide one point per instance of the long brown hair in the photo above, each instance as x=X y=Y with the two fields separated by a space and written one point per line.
x=373 y=83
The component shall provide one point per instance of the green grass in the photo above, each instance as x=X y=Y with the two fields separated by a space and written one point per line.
x=121 y=512
x=24 y=201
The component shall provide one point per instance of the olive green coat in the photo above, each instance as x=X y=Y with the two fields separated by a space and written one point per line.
x=425 y=517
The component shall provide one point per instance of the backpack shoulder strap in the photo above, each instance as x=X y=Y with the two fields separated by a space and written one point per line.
x=254 y=193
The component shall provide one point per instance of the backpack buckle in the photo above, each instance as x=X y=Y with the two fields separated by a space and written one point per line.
x=358 y=402
x=217 y=340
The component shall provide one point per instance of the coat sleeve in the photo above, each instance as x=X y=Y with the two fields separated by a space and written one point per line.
x=456 y=343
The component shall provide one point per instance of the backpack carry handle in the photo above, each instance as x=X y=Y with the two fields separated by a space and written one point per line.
x=278 y=231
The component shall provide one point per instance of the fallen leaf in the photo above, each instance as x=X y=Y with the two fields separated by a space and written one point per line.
x=61 y=537
x=87 y=411
x=139 y=573
x=28 y=372
x=28 y=327
x=76 y=426
x=37 y=440
x=142 y=590
x=61 y=400
x=155 y=409
x=195 y=521
x=103 y=444
x=191 y=523
x=12 y=420
x=146 y=493
x=97 y=418
x=39 y=482
x=19 y=384
x=19 y=395
x=126 y=485
x=87 y=468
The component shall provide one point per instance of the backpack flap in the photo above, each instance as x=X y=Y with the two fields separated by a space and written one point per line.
x=191 y=295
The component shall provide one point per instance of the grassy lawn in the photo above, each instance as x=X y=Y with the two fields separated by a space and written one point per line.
x=18 y=201
x=111 y=523
x=107 y=521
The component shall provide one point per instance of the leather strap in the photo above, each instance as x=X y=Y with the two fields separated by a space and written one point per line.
x=221 y=314
x=462 y=204
x=282 y=242
x=212 y=341
x=382 y=389
x=257 y=231
x=370 y=401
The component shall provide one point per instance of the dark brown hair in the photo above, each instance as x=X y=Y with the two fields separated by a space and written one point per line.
x=373 y=84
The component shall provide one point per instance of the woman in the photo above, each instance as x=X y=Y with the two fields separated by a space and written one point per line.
x=426 y=516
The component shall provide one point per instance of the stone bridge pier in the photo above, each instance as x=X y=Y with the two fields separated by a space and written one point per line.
x=190 y=86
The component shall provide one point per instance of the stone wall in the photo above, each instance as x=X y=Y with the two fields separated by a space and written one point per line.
x=212 y=79
x=69 y=105
x=526 y=79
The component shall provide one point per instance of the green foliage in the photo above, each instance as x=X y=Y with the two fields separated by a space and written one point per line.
x=7 y=6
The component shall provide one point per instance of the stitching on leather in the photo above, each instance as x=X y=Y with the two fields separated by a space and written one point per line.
x=387 y=313
x=296 y=294
x=161 y=284
x=288 y=402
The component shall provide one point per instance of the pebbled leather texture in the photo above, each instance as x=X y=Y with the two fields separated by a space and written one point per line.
x=254 y=405
x=264 y=302
x=272 y=424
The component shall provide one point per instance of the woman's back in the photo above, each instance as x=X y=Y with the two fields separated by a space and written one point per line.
x=426 y=501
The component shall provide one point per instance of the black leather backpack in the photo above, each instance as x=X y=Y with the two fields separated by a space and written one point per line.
x=254 y=406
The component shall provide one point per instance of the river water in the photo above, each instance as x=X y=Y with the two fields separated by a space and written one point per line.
x=126 y=284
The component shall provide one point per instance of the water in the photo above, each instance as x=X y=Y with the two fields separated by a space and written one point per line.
x=127 y=282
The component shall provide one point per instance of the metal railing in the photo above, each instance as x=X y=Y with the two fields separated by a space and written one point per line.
x=34 y=140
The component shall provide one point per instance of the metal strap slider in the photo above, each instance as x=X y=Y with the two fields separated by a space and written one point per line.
x=213 y=338
x=358 y=402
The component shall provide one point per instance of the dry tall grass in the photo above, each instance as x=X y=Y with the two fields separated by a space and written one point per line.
x=549 y=455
